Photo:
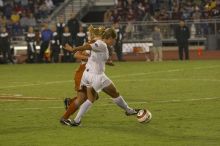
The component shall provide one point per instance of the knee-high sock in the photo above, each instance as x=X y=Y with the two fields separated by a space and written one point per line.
x=83 y=109
x=122 y=103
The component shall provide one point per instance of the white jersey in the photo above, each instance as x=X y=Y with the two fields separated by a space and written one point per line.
x=94 y=75
x=99 y=56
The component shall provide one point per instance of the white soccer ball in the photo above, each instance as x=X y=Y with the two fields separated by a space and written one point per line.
x=144 y=116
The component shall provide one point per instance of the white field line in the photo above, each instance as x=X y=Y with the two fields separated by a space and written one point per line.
x=147 y=73
x=167 y=79
x=11 y=97
x=121 y=80
x=113 y=77
x=212 y=66
x=36 y=84
x=130 y=103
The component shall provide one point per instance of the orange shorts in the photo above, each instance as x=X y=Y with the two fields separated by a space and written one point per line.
x=78 y=76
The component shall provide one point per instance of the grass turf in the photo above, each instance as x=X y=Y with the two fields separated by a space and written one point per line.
x=184 y=98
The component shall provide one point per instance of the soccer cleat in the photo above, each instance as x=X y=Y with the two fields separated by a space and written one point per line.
x=66 y=103
x=75 y=124
x=132 y=112
x=65 y=121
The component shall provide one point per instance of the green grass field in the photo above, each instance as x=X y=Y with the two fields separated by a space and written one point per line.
x=184 y=98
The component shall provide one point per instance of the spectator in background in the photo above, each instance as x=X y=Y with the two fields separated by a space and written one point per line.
x=31 y=45
x=157 y=44
x=153 y=4
x=107 y=16
x=42 y=11
x=196 y=16
x=187 y=9
x=80 y=37
x=17 y=8
x=46 y=36
x=140 y=12
x=24 y=3
x=129 y=30
x=50 y=5
x=176 y=14
x=120 y=8
x=36 y=11
x=3 y=21
x=31 y=20
x=1 y=5
x=130 y=15
x=24 y=22
x=73 y=25
x=31 y=5
x=115 y=18
x=67 y=39
x=165 y=29
x=60 y=27
x=118 y=43
x=15 y=19
x=182 y=35
x=55 y=45
x=211 y=5
x=7 y=10
x=5 y=43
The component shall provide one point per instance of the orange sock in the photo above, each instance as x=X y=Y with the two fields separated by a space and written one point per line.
x=72 y=100
x=71 y=109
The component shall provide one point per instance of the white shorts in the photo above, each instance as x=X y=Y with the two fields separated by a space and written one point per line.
x=97 y=81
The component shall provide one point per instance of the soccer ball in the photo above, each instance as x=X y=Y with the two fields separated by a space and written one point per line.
x=144 y=116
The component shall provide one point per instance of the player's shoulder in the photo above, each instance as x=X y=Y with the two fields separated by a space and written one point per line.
x=99 y=46
x=99 y=43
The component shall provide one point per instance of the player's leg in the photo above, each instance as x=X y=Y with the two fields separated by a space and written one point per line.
x=75 y=104
x=155 y=53
x=180 y=52
x=160 y=51
x=78 y=89
x=91 y=95
x=118 y=99
x=73 y=107
x=186 y=51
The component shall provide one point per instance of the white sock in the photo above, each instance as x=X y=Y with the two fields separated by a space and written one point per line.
x=122 y=103
x=83 y=109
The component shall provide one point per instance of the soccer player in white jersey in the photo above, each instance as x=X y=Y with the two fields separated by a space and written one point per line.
x=94 y=78
x=73 y=104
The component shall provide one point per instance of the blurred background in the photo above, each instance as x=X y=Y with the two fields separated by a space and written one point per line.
x=28 y=28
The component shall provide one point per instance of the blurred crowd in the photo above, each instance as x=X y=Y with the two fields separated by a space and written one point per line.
x=195 y=11
x=29 y=18
x=17 y=15
x=159 y=10
x=50 y=37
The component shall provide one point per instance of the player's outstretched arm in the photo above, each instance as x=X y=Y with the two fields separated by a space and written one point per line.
x=80 y=48
x=81 y=55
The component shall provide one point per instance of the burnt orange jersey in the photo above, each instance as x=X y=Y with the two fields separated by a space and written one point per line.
x=79 y=72
x=78 y=76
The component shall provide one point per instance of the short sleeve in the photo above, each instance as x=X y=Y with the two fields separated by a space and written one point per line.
x=98 y=46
